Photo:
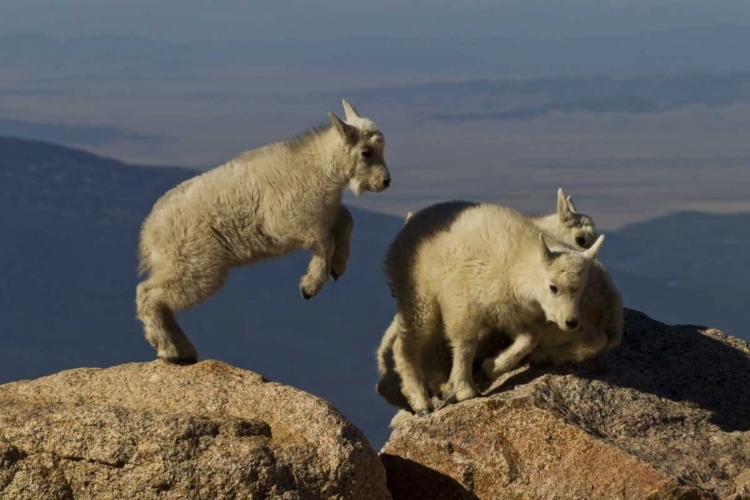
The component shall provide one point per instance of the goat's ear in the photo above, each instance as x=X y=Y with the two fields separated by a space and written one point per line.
x=571 y=205
x=563 y=210
x=349 y=112
x=347 y=132
x=547 y=254
x=408 y=217
x=591 y=252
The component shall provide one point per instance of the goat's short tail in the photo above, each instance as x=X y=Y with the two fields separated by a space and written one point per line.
x=144 y=262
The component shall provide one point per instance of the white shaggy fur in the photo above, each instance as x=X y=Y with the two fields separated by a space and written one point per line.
x=601 y=330
x=465 y=270
x=602 y=321
x=265 y=203
x=566 y=225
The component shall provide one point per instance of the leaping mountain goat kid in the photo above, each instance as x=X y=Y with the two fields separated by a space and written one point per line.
x=463 y=270
x=265 y=203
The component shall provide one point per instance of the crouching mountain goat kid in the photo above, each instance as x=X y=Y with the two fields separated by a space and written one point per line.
x=566 y=225
x=462 y=270
x=601 y=313
x=602 y=322
x=265 y=203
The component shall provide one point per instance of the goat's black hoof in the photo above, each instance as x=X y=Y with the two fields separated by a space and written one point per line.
x=335 y=275
x=448 y=400
x=174 y=360
x=305 y=294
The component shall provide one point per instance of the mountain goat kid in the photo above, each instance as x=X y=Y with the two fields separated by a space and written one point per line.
x=602 y=322
x=463 y=270
x=571 y=228
x=601 y=313
x=566 y=225
x=265 y=203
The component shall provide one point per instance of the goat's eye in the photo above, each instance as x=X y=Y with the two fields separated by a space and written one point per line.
x=553 y=289
x=580 y=241
x=367 y=153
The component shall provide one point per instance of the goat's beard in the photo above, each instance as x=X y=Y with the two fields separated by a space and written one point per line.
x=356 y=186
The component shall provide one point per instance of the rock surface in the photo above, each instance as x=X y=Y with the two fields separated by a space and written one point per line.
x=666 y=415
x=208 y=431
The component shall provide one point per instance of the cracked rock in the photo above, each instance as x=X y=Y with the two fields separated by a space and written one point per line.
x=664 y=416
x=158 y=431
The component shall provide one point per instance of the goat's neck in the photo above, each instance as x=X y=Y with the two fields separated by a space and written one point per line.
x=333 y=159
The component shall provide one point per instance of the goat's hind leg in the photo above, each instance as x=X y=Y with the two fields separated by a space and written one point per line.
x=160 y=326
x=159 y=297
x=389 y=381
x=407 y=353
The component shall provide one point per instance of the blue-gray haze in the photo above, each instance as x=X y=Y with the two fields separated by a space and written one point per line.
x=639 y=108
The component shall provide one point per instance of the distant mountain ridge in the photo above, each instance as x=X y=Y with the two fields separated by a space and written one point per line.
x=70 y=223
x=529 y=98
x=712 y=49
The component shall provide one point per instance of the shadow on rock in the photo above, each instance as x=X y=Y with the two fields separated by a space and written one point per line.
x=665 y=415
x=683 y=363
x=413 y=481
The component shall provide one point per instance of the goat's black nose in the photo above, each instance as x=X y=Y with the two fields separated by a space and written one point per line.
x=387 y=182
x=572 y=324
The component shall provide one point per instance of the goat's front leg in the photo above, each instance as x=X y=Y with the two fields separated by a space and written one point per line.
x=342 y=233
x=573 y=347
x=319 y=268
x=463 y=332
x=508 y=359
